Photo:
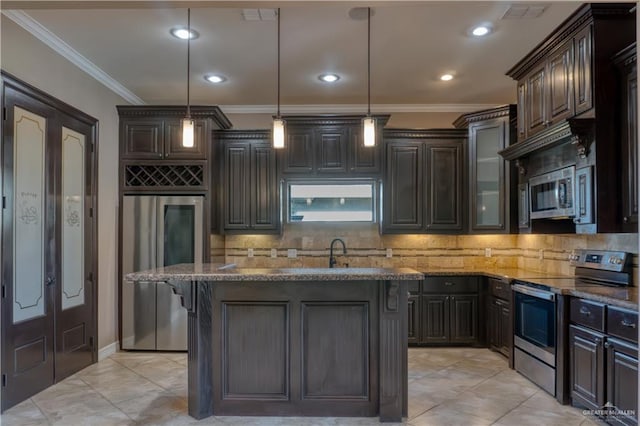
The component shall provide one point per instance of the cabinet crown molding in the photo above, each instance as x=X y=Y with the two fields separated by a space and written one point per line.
x=332 y=120
x=197 y=111
x=425 y=133
x=487 y=114
x=243 y=134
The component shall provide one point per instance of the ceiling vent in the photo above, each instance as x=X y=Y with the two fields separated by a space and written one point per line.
x=259 y=14
x=525 y=11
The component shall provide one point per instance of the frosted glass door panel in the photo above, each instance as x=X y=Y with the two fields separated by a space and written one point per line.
x=73 y=189
x=28 y=220
x=488 y=176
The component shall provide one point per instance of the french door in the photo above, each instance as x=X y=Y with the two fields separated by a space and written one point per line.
x=48 y=241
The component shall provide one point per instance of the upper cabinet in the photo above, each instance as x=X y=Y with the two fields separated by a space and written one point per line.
x=152 y=157
x=627 y=65
x=424 y=179
x=155 y=133
x=569 y=116
x=491 y=181
x=330 y=146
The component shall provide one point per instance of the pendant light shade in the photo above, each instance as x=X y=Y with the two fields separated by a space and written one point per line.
x=369 y=123
x=279 y=124
x=187 y=122
x=278 y=133
x=369 y=131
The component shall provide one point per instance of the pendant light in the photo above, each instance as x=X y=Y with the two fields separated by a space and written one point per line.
x=187 y=122
x=278 y=122
x=368 y=122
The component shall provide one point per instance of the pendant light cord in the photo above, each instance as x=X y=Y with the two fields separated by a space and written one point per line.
x=278 y=112
x=188 y=59
x=369 y=61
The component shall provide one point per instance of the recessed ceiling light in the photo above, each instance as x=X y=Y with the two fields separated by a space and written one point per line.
x=182 y=33
x=481 y=30
x=329 y=78
x=446 y=77
x=215 y=78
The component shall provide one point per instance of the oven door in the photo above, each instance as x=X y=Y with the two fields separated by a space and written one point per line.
x=535 y=322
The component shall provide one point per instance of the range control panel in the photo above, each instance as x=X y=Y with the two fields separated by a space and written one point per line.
x=600 y=259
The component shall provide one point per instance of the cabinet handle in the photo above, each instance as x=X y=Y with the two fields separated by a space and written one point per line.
x=597 y=341
x=626 y=323
x=449 y=283
x=625 y=219
x=607 y=345
x=498 y=287
x=453 y=298
x=585 y=311
x=51 y=280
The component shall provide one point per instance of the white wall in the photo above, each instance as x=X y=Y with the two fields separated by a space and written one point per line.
x=28 y=59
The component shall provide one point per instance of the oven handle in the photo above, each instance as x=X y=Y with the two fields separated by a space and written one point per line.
x=541 y=294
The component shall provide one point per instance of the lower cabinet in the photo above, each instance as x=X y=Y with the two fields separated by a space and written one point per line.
x=603 y=360
x=445 y=310
x=499 y=326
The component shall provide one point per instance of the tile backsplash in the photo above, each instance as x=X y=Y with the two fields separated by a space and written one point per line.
x=367 y=248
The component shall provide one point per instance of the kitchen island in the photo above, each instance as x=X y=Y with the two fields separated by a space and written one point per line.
x=293 y=342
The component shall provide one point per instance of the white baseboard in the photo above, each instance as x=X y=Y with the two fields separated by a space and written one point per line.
x=108 y=350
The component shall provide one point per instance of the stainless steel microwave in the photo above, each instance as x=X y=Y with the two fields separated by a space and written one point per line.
x=551 y=195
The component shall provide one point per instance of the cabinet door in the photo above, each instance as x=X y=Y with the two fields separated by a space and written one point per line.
x=414 y=319
x=236 y=186
x=494 y=335
x=586 y=364
x=463 y=314
x=560 y=69
x=443 y=169
x=487 y=175
x=522 y=107
x=173 y=148
x=536 y=101
x=364 y=159
x=622 y=380
x=583 y=89
x=142 y=139
x=331 y=146
x=264 y=188
x=403 y=202
x=298 y=155
x=435 y=318
x=630 y=149
x=506 y=330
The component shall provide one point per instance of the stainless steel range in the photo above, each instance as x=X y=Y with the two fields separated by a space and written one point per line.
x=535 y=310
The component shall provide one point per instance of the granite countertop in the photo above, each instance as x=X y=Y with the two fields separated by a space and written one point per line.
x=218 y=272
x=624 y=297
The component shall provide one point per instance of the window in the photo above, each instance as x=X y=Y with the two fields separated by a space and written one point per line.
x=331 y=202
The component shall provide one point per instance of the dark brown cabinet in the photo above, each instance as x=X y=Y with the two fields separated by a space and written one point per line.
x=499 y=322
x=567 y=92
x=250 y=186
x=424 y=181
x=492 y=182
x=626 y=62
x=603 y=347
x=330 y=146
x=448 y=311
x=160 y=137
x=413 y=312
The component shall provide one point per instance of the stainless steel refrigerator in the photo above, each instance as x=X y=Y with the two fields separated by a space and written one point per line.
x=157 y=231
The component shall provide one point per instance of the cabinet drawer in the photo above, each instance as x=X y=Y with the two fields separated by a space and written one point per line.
x=589 y=314
x=413 y=287
x=450 y=284
x=500 y=289
x=622 y=323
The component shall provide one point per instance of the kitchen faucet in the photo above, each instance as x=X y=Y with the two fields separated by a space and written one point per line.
x=332 y=259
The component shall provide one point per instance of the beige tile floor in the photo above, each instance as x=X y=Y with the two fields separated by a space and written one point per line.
x=447 y=386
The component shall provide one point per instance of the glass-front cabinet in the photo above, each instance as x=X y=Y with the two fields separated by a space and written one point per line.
x=490 y=176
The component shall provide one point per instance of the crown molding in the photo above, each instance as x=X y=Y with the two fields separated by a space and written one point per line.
x=352 y=108
x=63 y=49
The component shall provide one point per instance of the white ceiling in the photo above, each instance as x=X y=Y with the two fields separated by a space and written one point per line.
x=412 y=44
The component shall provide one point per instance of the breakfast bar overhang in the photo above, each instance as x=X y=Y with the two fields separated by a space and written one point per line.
x=293 y=342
